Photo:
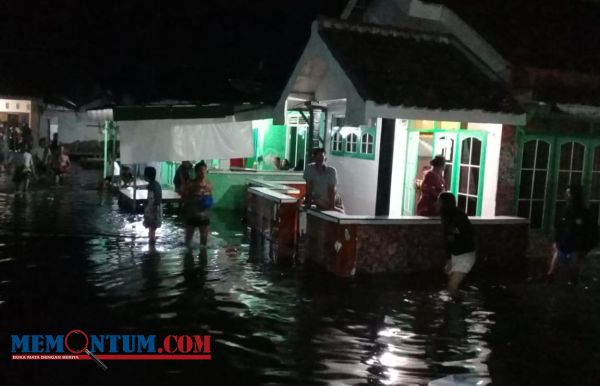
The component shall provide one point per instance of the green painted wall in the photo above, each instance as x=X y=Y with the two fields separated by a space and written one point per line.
x=273 y=144
x=269 y=142
x=167 y=173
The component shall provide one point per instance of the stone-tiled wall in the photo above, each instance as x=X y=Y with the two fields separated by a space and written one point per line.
x=408 y=248
x=399 y=248
x=507 y=173
x=502 y=246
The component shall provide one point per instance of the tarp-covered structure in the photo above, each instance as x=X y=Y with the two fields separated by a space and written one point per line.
x=152 y=134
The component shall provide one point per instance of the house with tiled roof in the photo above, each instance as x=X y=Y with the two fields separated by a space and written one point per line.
x=426 y=64
x=548 y=54
x=385 y=97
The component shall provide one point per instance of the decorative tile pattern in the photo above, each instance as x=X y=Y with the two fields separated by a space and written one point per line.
x=346 y=249
x=505 y=195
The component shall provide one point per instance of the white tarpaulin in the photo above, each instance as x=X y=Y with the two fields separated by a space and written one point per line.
x=184 y=139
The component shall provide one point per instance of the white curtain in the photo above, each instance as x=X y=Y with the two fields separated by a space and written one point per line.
x=184 y=139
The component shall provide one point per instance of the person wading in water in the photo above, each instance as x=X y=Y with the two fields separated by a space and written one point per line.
x=576 y=233
x=459 y=241
x=197 y=198
x=153 y=209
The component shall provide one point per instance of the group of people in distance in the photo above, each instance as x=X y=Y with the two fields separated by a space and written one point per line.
x=46 y=159
x=196 y=195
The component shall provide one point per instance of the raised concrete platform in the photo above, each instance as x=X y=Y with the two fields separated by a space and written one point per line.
x=295 y=189
x=273 y=216
x=346 y=244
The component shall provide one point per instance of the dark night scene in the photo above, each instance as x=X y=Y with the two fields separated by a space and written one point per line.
x=285 y=192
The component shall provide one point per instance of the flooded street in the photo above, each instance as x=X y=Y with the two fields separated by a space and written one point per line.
x=71 y=259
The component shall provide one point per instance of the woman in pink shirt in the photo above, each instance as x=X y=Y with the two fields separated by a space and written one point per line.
x=433 y=184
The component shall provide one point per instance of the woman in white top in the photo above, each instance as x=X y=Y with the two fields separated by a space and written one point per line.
x=24 y=170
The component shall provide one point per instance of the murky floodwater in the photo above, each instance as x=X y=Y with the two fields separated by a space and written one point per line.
x=69 y=258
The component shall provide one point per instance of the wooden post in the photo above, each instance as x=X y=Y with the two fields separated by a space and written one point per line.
x=114 y=141
x=105 y=149
x=135 y=188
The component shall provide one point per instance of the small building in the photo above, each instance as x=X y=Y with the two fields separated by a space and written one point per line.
x=16 y=111
x=15 y=114
x=550 y=62
x=394 y=97
x=46 y=92
x=387 y=91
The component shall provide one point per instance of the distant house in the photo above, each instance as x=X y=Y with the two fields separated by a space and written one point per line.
x=49 y=94
x=18 y=111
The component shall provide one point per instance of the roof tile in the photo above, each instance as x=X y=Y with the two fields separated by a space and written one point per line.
x=413 y=69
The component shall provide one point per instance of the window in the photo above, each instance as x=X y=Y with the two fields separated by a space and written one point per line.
x=549 y=165
x=336 y=143
x=366 y=146
x=468 y=183
x=534 y=177
x=354 y=142
x=351 y=143
x=296 y=120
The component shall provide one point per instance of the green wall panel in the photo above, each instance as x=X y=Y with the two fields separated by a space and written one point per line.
x=269 y=142
x=167 y=174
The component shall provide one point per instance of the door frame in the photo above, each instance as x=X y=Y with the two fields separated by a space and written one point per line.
x=550 y=177
x=458 y=135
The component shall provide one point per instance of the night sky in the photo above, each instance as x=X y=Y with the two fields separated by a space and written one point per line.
x=143 y=50
x=551 y=34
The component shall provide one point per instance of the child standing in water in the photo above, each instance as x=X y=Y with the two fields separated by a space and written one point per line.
x=153 y=210
x=460 y=246
x=62 y=164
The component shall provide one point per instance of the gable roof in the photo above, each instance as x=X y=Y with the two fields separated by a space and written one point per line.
x=396 y=67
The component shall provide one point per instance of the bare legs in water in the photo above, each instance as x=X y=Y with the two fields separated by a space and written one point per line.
x=189 y=234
